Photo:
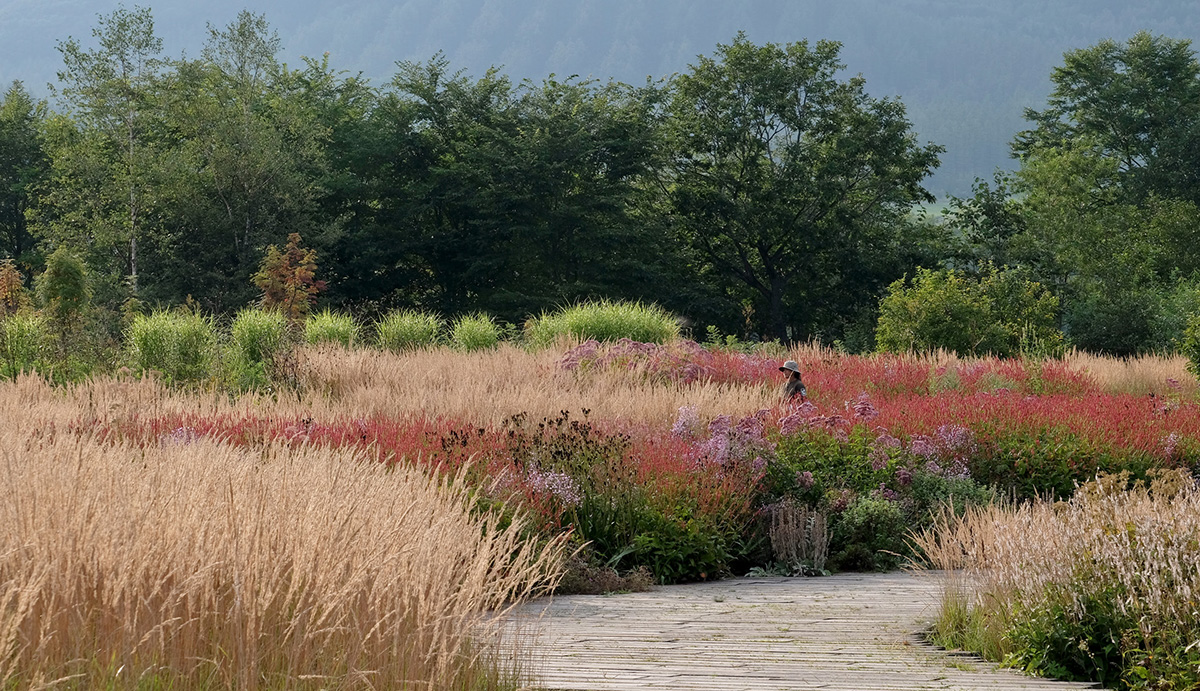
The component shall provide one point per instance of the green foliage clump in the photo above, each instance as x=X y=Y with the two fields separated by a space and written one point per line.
x=329 y=327
x=474 y=332
x=63 y=287
x=407 y=329
x=24 y=337
x=868 y=536
x=604 y=320
x=258 y=337
x=65 y=292
x=181 y=344
x=1189 y=345
x=999 y=313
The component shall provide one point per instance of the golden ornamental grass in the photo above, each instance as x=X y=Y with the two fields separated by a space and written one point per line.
x=203 y=566
x=1137 y=548
x=1161 y=375
x=489 y=386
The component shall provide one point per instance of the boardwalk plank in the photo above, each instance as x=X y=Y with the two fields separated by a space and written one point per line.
x=853 y=632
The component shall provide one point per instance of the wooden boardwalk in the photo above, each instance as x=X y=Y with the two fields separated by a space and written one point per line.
x=856 y=632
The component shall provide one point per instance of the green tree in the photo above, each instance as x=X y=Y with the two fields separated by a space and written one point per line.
x=1103 y=208
x=784 y=177
x=245 y=170
x=23 y=164
x=102 y=194
x=1135 y=103
x=508 y=199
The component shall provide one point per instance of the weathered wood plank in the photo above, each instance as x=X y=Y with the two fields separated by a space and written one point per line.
x=855 y=632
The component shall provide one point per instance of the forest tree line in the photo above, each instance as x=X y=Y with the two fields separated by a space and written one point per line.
x=760 y=190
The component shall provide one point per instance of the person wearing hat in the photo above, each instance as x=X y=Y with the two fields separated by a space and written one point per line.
x=794 y=386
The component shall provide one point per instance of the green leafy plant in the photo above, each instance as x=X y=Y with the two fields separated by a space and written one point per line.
x=180 y=344
x=65 y=293
x=1189 y=345
x=998 y=312
x=868 y=536
x=329 y=327
x=407 y=329
x=474 y=332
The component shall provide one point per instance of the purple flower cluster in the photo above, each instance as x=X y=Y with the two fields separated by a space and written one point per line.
x=731 y=442
x=861 y=408
x=881 y=449
x=687 y=423
x=946 y=452
x=882 y=492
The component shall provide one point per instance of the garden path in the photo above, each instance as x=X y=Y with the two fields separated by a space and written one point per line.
x=856 y=632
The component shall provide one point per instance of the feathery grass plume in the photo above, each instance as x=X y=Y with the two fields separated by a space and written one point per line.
x=430 y=382
x=190 y=564
x=1161 y=375
x=603 y=320
x=180 y=344
x=474 y=332
x=402 y=330
x=24 y=338
x=329 y=327
x=1101 y=587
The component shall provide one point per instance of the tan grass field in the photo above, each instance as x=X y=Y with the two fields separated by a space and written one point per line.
x=196 y=565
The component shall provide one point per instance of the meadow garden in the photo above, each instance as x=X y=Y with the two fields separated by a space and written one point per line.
x=199 y=494
x=326 y=504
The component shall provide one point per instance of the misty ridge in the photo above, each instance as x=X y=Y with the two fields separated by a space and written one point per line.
x=964 y=70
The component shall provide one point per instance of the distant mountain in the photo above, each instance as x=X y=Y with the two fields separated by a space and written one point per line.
x=964 y=68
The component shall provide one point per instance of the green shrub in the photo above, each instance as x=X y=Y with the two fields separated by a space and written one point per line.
x=180 y=344
x=474 y=332
x=999 y=312
x=1115 y=320
x=24 y=338
x=1053 y=640
x=868 y=536
x=328 y=327
x=407 y=329
x=604 y=320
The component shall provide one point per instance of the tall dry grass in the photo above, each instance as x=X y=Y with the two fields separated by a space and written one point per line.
x=1129 y=557
x=194 y=565
x=489 y=386
x=1160 y=375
